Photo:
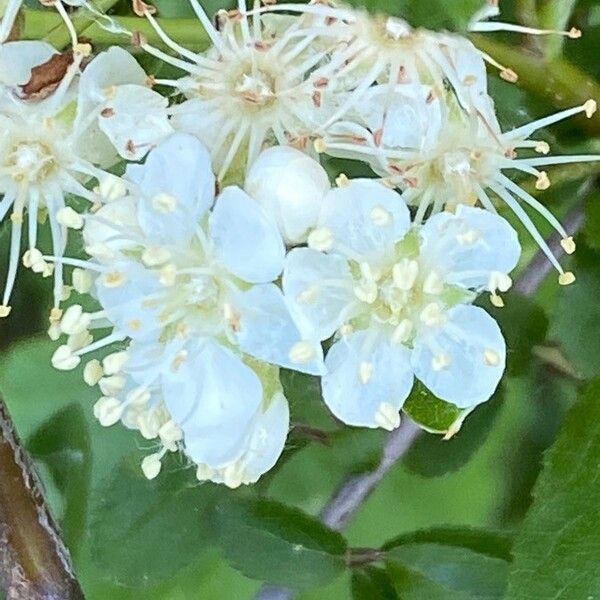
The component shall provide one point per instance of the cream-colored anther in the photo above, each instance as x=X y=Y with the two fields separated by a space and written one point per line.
x=63 y=358
x=111 y=386
x=405 y=273
x=151 y=465
x=82 y=281
x=568 y=244
x=155 y=256
x=365 y=372
x=469 y=237
x=590 y=107
x=111 y=188
x=366 y=291
x=302 y=352
x=180 y=358
x=381 y=216
x=433 y=284
x=491 y=358
x=403 y=332
x=108 y=411
x=320 y=239
x=4 y=311
x=114 y=363
x=342 y=180
x=93 y=372
x=566 y=278
x=542 y=147
x=441 y=361
x=387 y=417
x=74 y=320
x=138 y=396
x=543 y=181
x=433 y=315
x=69 y=218
x=113 y=279
x=499 y=281
x=168 y=275
x=164 y=203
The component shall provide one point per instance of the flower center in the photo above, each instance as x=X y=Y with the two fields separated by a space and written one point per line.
x=31 y=161
x=256 y=88
x=405 y=295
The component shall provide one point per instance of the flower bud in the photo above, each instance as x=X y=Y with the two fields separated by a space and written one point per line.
x=290 y=186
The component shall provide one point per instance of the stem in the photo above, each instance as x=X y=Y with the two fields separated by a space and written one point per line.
x=546 y=79
x=34 y=562
x=48 y=25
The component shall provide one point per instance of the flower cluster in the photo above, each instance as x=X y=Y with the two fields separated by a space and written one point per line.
x=225 y=253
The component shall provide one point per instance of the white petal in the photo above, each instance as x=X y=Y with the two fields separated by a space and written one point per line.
x=246 y=238
x=135 y=120
x=213 y=396
x=177 y=186
x=473 y=345
x=290 y=186
x=267 y=331
x=125 y=305
x=267 y=439
x=469 y=245
x=114 y=67
x=368 y=380
x=18 y=58
x=105 y=227
x=365 y=218
x=318 y=290
x=412 y=118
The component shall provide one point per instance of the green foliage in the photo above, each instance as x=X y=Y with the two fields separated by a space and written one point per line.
x=272 y=542
x=430 y=412
x=556 y=551
x=576 y=319
x=372 y=582
x=62 y=443
x=462 y=563
x=432 y=456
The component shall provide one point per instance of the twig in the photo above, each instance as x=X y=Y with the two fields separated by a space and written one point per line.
x=350 y=497
x=34 y=562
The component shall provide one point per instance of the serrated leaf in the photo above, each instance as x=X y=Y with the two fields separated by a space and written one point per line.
x=144 y=531
x=372 y=582
x=430 y=412
x=278 y=544
x=63 y=444
x=556 y=552
x=432 y=456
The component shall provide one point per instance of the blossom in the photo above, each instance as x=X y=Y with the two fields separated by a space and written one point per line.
x=399 y=301
x=253 y=87
x=441 y=155
x=188 y=293
x=290 y=186
x=54 y=137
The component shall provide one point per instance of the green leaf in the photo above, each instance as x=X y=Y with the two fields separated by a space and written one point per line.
x=144 y=531
x=524 y=325
x=372 y=582
x=432 y=456
x=439 y=572
x=576 y=318
x=63 y=444
x=449 y=562
x=492 y=543
x=591 y=227
x=278 y=544
x=430 y=412
x=556 y=551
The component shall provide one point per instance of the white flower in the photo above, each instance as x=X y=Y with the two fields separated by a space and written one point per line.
x=399 y=300
x=254 y=86
x=442 y=156
x=116 y=104
x=189 y=291
x=290 y=186
x=53 y=140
